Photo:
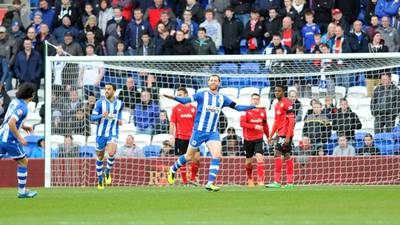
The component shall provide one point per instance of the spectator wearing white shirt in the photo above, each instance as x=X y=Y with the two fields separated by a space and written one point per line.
x=344 y=149
x=130 y=149
x=213 y=28
x=91 y=74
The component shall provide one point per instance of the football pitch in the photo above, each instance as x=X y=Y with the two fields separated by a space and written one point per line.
x=306 y=205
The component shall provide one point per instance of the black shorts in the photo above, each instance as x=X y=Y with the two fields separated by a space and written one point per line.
x=281 y=147
x=253 y=147
x=181 y=146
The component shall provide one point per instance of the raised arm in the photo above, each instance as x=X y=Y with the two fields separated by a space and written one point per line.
x=231 y=104
x=243 y=107
x=183 y=100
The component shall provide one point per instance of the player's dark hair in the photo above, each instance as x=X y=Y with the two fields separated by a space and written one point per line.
x=343 y=100
x=280 y=86
x=26 y=90
x=183 y=89
x=255 y=94
x=215 y=75
x=113 y=85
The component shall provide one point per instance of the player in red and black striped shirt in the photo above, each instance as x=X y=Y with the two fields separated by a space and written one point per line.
x=181 y=127
x=254 y=123
x=284 y=128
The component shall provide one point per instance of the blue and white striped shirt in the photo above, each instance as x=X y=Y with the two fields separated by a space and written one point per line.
x=18 y=109
x=209 y=107
x=108 y=126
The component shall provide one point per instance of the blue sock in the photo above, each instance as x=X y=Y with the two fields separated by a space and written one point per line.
x=180 y=162
x=22 y=173
x=214 y=167
x=99 y=168
x=110 y=163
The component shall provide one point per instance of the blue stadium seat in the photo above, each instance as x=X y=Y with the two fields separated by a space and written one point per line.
x=254 y=68
x=228 y=68
x=384 y=138
x=87 y=151
x=243 y=43
x=221 y=51
x=331 y=144
x=388 y=149
x=396 y=133
x=259 y=82
x=237 y=82
x=33 y=139
x=250 y=68
x=385 y=143
x=152 y=151
x=359 y=136
x=334 y=137
x=32 y=143
x=329 y=147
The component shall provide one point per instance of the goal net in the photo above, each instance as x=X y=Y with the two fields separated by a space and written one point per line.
x=346 y=108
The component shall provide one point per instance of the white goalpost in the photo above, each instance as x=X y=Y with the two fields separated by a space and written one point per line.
x=72 y=83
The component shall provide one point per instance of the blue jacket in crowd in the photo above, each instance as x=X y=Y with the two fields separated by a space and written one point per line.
x=134 y=32
x=61 y=30
x=28 y=69
x=47 y=16
x=308 y=32
x=264 y=6
x=387 y=8
x=146 y=116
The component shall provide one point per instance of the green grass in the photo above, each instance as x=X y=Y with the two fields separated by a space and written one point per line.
x=339 y=205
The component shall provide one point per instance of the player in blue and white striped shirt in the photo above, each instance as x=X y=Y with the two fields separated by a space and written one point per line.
x=209 y=106
x=108 y=113
x=11 y=141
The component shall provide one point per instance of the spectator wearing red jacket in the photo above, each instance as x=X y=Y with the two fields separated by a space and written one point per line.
x=153 y=14
x=254 y=124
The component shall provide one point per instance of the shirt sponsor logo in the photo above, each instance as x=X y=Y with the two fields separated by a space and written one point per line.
x=211 y=108
x=186 y=116
x=256 y=120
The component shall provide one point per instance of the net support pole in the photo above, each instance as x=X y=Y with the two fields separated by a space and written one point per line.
x=47 y=132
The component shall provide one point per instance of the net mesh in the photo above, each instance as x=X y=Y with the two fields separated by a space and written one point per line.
x=318 y=131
